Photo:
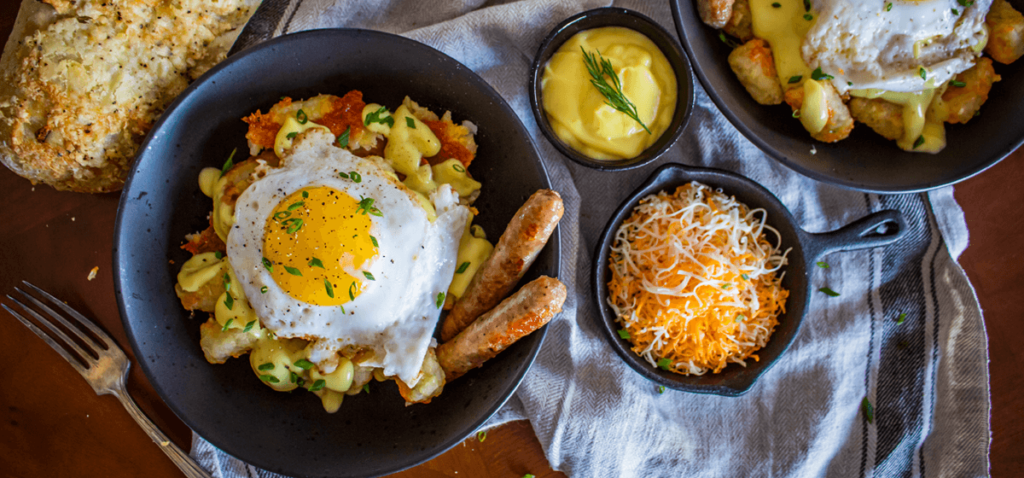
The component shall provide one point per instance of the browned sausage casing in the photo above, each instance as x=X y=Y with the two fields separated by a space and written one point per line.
x=519 y=245
x=516 y=317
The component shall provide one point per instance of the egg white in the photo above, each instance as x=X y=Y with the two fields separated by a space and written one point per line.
x=394 y=315
x=872 y=45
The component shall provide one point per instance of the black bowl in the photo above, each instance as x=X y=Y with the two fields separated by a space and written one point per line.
x=865 y=160
x=289 y=433
x=615 y=17
x=877 y=229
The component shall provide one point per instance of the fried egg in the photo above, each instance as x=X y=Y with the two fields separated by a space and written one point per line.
x=334 y=249
x=894 y=45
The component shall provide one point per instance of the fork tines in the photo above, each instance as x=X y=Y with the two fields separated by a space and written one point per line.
x=86 y=356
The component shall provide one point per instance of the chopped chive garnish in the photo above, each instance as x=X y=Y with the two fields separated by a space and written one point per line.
x=229 y=163
x=352 y=291
x=888 y=6
x=664 y=363
x=356 y=177
x=316 y=263
x=374 y=241
x=957 y=83
x=462 y=267
x=301 y=116
x=227 y=281
x=218 y=255
x=956 y=12
x=366 y=206
x=410 y=123
x=344 y=175
x=965 y=3
x=869 y=411
x=379 y=117
x=777 y=5
x=269 y=378
x=808 y=17
x=458 y=168
x=924 y=73
x=293 y=271
x=330 y=289
x=291 y=135
x=263 y=290
x=822 y=264
x=248 y=326
x=919 y=141
x=829 y=292
x=305 y=195
x=818 y=75
x=901 y=318
x=342 y=308
x=294 y=377
x=229 y=302
x=368 y=275
x=268 y=265
x=296 y=205
x=366 y=387
x=294 y=224
x=343 y=139
x=440 y=299
x=807 y=5
x=728 y=41
x=481 y=436
x=228 y=323
x=661 y=389
x=281 y=215
x=795 y=79
x=623 y=334
x=317 y=385
x=266 y=366
x=304 y=364
x=796 y=113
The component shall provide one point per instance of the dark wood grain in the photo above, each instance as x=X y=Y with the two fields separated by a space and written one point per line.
x=53 y=425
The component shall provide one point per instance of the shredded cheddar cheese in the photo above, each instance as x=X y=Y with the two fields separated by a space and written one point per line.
x=694 y=280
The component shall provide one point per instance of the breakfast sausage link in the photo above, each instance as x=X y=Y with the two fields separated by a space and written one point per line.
x=518 y=247
x=516 y=317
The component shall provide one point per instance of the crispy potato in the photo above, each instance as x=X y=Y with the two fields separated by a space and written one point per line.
x=715 y=13
x=964 y=102
x=218 y=346
x=754 y=67
x=741 y=23
x=1005 y=32
x=882 y=116
x=430 y=385
x=840 y=122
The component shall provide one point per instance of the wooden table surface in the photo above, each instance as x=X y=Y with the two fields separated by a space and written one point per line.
x=55 y=426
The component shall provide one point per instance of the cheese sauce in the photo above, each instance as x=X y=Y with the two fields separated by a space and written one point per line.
x=578 y=112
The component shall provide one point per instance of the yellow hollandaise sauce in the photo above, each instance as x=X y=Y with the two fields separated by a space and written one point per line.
x=922 y=132
x=784 y=24
x=579 y=113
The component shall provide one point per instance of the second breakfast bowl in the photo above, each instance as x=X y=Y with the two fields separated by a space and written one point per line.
x=877 y=229
x=615 y=17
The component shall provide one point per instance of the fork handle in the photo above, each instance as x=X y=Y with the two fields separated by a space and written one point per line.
x=185 y=463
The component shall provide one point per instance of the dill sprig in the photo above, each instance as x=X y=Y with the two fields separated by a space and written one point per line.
x=613 y=94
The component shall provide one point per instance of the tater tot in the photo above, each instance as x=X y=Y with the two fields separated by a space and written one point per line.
x=1005 y=32
x=883 y=117
x=964 y=102
x=840 y=122
x=219 y=345
x=754 y=67
x=715 y=13
x=741 y=24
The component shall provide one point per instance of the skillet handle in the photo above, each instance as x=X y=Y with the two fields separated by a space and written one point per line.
x=874 y=230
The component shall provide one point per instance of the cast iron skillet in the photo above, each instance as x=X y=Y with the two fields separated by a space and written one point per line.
x=372 y=434
x=808 y=248
x=865 y=160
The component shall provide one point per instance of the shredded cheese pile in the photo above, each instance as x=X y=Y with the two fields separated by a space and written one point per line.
x=694 y=281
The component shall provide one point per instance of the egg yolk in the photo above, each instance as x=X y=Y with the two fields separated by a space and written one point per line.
x=316 y=244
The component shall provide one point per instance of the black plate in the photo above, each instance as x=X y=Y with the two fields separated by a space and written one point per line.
x=372 y=434
x=615 y=17
x=865 y=160
x=735 y=380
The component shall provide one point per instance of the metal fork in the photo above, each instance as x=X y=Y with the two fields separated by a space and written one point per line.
x=106 y=366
